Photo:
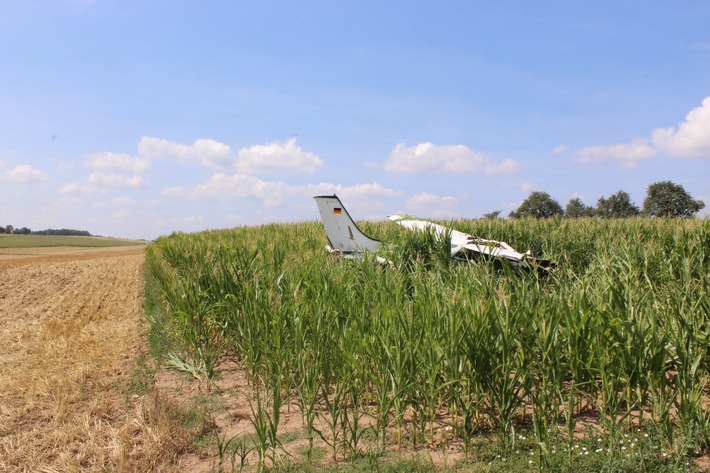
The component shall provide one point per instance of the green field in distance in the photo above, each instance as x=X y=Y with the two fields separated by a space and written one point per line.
x=38 y=241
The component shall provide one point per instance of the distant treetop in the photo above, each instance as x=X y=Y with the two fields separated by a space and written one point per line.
x=62 y=231
x=538 y=205
x=618 y=205
x=51 y=231
x=663 y=199
x=668 y=199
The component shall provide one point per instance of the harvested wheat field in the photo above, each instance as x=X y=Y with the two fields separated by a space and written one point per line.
x=71 y=327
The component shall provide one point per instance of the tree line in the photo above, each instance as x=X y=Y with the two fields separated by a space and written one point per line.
x=663 y=199
x=9 y=229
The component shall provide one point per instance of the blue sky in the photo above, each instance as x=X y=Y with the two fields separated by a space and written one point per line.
x=139 y=118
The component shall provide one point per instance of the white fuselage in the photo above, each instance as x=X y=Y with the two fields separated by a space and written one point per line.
x=464 y=245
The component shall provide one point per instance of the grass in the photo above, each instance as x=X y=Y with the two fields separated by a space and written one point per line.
x=41 y=241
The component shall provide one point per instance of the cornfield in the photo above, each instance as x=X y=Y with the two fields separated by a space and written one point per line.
x=619 y=331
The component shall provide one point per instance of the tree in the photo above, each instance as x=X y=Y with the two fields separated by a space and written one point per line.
x=492 y=215
x=618 y=205
x=576 y=209
x=538 y=205
x=668 y=199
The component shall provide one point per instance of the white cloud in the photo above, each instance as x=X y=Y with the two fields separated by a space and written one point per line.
x=123 y=201
x=204 y=151
x=560 y=149
x=117 y=161
x=431 y=201
x=511 y=205
x=66 y=166
x=577 y=195
x=628 y=154
x=98 y=178
x=355 y=192
x=691 y=139
x=527 y=187
x=222 y=186
x=434 y=205
x=24 y=174
x=428 y=157
x=99 y=183
x=70 y=188
x=277 y=157
x=269 y=158
x=177 y=191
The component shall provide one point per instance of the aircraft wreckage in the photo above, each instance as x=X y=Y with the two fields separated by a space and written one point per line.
x=348 y=241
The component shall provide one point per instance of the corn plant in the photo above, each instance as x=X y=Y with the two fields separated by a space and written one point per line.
x=620 y=329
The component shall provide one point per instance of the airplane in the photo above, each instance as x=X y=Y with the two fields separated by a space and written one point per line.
x=347 y=240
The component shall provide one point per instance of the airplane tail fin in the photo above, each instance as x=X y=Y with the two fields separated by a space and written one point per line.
x=343 y=235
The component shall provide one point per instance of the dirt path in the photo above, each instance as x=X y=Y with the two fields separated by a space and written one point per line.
x=70 y=331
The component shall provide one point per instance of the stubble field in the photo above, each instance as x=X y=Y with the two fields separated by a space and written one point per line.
x=70 y=328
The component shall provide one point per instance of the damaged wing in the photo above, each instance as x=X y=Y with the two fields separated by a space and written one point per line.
x=465 y=247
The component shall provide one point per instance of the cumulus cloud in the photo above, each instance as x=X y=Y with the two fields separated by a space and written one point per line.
x=431 y=201
x=270 y=158
x=99 y=178
x=690 y=139
x=24 y=174
x=117 y=161
x=100 y=183
x=277 y=157
x=627 y=154
x=560 y=149
x=428 y=157
x=70 y=188
x=123 y=201
x=207 y=152
x=223 y=186
x=434 y=205
x=355 y=192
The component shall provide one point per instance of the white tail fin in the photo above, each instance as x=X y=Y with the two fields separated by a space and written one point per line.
x=343 y=235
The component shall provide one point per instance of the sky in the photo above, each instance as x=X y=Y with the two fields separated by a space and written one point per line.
x=140 y=118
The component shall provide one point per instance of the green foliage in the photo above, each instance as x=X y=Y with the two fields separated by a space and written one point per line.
x=667 y=199
x=618 y=205
x=492 y=215
x=41 y=241
x=576 y=209
x=621 y=328
x=538 y=205
x=62 y=231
